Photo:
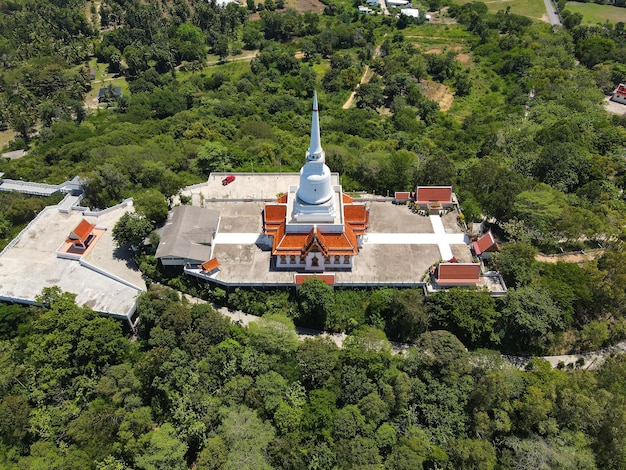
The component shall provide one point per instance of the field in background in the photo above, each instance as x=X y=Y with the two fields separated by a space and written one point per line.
x=535 y=9
x=596 y=13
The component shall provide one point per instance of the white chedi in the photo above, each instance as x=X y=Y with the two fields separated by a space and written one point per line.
x=315 y=183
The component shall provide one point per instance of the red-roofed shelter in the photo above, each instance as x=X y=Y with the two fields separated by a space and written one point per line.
x=485 y=244
x=81 y=235
x=328 y=279
x=619 y=94
x=457 y=274
x=427 y=196
x=210 y=266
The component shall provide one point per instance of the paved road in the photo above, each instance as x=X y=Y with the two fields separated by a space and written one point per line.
x=552 y=16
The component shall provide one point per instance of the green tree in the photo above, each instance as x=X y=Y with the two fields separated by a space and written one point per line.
x=316 y=300
x=318 y=360
x=246 y=437
x=68 y=340
x=469 y=314
x=516 y=262
x=274 y=334
x=212 y=156
x=152 y=205
x=469 y=454
x=369 y=95
x=190 y=33
x=531 y=319
x=161 y=449
x=131 y=229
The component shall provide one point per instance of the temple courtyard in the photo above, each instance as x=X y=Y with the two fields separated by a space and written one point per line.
x=398 y=250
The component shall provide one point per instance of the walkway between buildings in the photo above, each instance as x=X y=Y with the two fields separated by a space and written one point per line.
x=33 y=189
x=40 y=189
x=440 y=238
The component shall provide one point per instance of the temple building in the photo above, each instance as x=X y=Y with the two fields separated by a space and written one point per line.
x=315 y=226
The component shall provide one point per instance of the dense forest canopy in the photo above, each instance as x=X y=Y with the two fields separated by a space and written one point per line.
x=194 y=389
x=525 y=142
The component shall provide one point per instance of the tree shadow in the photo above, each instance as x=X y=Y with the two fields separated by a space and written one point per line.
x=125 y=253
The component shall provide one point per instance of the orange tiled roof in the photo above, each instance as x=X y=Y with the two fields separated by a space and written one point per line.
x=426 y=194
x=343 y=243
x=315 y=239
x=274 y=213
x=403 y=196
x=458 y=273
x=210 y=265
x=485 y=243
x=357 y=216
x=282 y=199
x=346 y=198
x=80 y=233
x=273 y=216
x=327 y=278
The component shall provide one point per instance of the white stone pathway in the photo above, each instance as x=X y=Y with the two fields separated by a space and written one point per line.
x=236 y=238
x=440 y=238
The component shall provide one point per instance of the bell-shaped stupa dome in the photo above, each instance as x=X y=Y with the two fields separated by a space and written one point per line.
x=315 y=183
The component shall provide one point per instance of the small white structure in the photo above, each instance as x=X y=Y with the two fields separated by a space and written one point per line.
x=412 y=12
x=397 y=3
x=619 y=95
x=365 y=11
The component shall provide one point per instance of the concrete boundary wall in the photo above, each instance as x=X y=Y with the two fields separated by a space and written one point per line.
x=125 y=203
x=95 y=268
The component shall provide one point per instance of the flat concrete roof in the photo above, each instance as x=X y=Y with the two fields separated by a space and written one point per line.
x=248 y=185
x=106 y=279
x=399 y=248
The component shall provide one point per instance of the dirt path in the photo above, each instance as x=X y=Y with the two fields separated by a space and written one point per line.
x=587 y=255
x=242 y=58
x=244 y=319
x=587 y=361
x=367 y=76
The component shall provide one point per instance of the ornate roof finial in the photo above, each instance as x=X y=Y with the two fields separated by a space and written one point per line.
x=315 y=151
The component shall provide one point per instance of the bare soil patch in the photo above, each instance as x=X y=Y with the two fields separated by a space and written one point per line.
x=303 y=6
x=464 y=58
x=6 y=137
x=571 y=257
x=438 y=92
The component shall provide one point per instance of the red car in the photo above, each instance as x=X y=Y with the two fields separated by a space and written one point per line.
x=229 y=179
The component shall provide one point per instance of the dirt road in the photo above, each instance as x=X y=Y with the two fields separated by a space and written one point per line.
x=367 y=75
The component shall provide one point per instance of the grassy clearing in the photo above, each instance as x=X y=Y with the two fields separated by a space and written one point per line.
x=595 y=13
x=6 y=137
x=535 y=9
x=437 y=30
x=103 y=80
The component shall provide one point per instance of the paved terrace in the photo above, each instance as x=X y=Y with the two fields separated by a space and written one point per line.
x=105 y=279
x=398 y=250
x=259 y=186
